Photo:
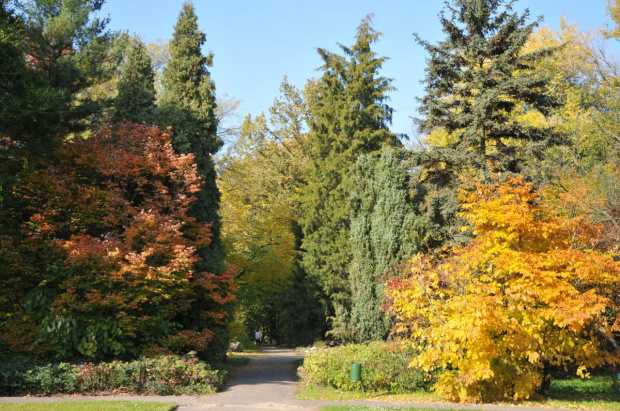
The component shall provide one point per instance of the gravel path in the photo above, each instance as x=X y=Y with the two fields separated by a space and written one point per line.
x=267 y=383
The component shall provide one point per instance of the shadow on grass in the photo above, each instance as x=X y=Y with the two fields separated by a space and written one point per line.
x=584 y=390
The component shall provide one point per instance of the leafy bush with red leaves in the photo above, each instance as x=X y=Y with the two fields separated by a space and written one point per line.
x=108 y=251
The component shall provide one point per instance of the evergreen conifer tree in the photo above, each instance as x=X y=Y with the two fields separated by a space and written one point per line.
x=71 y=46
x=385 y=230
x=479 y=86
x=349 y=117
x=188 y=106
x=136 y=85
x=28 y=104
x=478 y=80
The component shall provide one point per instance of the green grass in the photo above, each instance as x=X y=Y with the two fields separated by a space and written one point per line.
x=596 y=393
x=88 y=406
x=332 y=394
x=232 y=362
x=364 y=408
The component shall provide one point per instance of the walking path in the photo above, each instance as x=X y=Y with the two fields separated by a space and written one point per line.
x=267 y=383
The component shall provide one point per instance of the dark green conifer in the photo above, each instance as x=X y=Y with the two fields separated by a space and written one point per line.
x=188 y=106
x=478 y=79
x=349 y=117
x=478 y=82
x=136 y=85
x=71 y=46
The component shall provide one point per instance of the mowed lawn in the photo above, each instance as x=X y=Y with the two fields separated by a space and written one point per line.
x=88 y=406
x=596 y=393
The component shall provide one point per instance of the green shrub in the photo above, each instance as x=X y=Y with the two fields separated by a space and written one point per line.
x=246 y=341
x=165 y=375
x=384 y=368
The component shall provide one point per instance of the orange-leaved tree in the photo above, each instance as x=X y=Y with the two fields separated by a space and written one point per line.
x=111 y=251
x=528 y=292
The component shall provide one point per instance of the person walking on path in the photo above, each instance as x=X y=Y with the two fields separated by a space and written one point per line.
x=257 y=337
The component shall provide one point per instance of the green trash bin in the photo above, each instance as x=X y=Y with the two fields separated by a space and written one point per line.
x=356 y=371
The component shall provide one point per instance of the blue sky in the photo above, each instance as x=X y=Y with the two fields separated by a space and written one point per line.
x=257 y=42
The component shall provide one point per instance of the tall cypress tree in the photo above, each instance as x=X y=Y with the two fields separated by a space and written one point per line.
x=349 y=117
x=136 y=85
x=385 y=230
x=188 y=106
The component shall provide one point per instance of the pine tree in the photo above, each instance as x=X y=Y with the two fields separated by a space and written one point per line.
x=385 y=230
x=188 y=106
x=349 y=117
x=136 y=85
x=28 y=104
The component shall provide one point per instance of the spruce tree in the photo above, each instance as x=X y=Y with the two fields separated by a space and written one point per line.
x=478 y=80
x=136 y=85
x=349 y=117
x=479 y=83
x=385 y=230
x=188 y=106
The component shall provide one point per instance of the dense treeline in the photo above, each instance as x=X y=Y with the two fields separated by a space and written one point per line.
x=492 y=246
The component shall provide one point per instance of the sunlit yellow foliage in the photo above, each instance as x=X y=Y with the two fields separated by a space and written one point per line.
x=257 y=180
x=572 y=64
x=530 y=290
x=613 y=10
x=440 y=138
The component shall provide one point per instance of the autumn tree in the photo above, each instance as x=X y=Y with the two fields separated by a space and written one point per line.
x=587 y=76
x=107 y=268
x=348 y=117
x=385 y=231
x=260 y=175
x=136 y=85
x=257 y=213
x=613 y=10
x=531 y=290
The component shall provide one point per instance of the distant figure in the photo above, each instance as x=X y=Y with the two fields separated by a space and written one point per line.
x=257 y=338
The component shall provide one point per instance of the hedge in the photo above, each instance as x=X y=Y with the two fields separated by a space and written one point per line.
x=165 y=375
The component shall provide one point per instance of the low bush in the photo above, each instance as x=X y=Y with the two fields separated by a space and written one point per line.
x=385 y=367
x=164 y=375
x=246 y=341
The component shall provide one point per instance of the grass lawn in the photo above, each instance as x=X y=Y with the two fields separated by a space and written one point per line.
x=331 y=394
x=88 y=406
x=596 y=393
x=362 y=408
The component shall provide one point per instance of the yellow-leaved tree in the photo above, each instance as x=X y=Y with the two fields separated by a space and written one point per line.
x=530 y=291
